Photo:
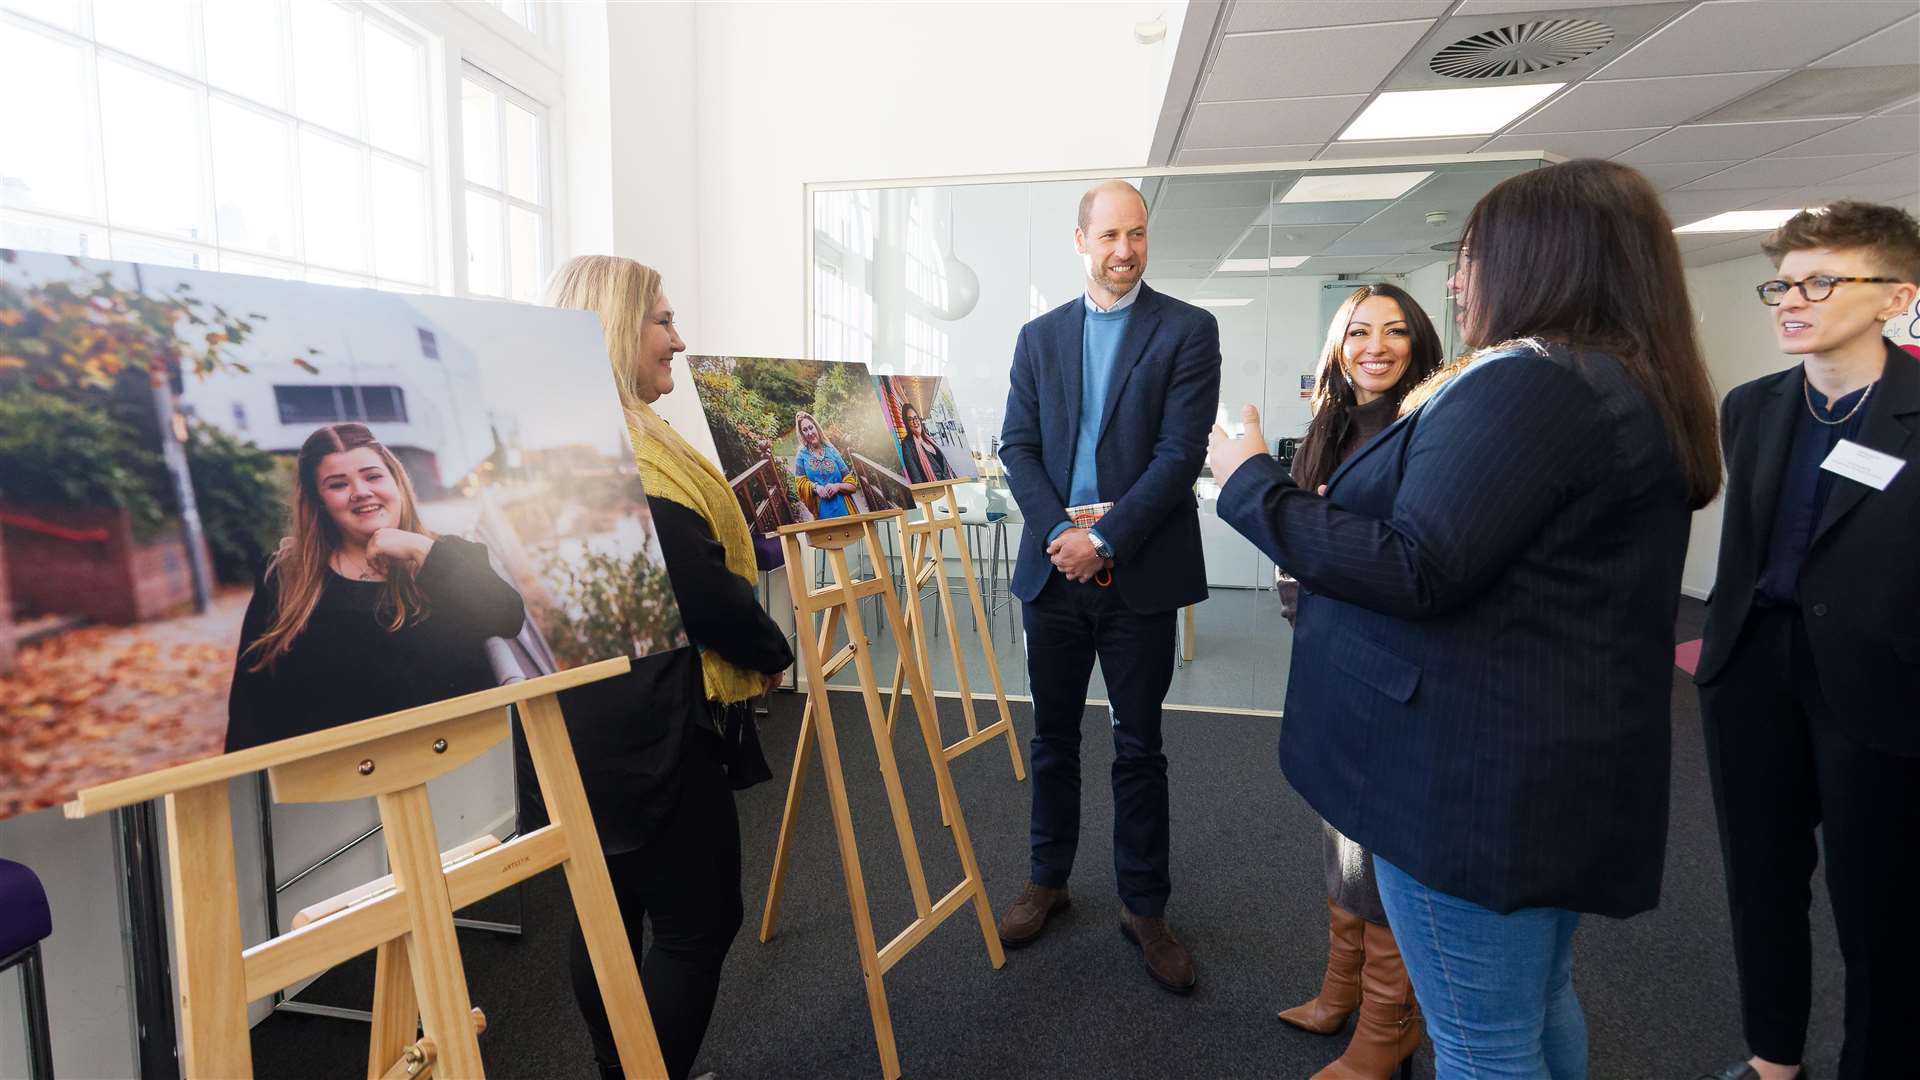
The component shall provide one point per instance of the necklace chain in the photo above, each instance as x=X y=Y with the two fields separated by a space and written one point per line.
x=1807 y=396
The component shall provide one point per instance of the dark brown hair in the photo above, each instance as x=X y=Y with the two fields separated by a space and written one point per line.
x=1582 y=253
x=1887 y=233
x=1333 y=394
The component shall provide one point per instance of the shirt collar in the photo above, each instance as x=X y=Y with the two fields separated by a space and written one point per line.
x=1118 y=305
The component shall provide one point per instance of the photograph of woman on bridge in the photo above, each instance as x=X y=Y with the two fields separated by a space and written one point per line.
x=799 y=440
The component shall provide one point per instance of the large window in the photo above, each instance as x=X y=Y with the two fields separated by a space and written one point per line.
x=504 y=141
x=289 y=138
x=333 y=404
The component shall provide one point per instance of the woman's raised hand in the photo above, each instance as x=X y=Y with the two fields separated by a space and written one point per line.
x=1225 y=453
x=391 y=546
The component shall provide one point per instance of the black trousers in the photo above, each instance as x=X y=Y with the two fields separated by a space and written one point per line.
x=1068 y=626
x=686 y=882
x=1780 y=769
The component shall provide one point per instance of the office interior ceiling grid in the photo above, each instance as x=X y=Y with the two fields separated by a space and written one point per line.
x=1725 y=104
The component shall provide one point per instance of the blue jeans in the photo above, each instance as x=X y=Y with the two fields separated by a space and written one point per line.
x=1496 y=990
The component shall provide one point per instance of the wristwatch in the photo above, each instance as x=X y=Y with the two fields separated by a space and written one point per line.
x=1100 y=547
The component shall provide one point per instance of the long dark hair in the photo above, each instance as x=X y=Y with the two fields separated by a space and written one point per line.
x=1582 y=253
x=300 y=566
x=1333 y=394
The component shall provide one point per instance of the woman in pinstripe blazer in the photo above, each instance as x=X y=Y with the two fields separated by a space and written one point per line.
x=1482 y=665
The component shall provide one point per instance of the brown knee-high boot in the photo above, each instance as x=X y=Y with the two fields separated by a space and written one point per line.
x=1340 y=986
x=1390 y=1026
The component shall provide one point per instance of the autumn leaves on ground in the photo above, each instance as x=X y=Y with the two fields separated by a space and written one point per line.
x=104 y=703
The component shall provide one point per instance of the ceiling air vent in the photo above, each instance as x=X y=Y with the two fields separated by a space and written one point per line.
x=1522 y=49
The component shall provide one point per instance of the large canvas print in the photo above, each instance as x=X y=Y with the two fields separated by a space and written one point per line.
x=926 y=428
x=799 y=440
x=236 y=509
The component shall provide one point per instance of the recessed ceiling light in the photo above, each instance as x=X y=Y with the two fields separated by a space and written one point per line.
x=1243 y=266
x=1352 y=187
x=1285 y=262
x=1740 y=221
x=1477 y=110
x=1223 y=301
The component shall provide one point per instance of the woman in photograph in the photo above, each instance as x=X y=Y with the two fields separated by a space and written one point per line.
x=826 y=481
x=1379 y=346
x=362 y=611
x=925 y=463
x=1482 y=666
x=663 y=748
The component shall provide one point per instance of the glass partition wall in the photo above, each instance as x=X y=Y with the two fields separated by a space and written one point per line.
x=937 y=279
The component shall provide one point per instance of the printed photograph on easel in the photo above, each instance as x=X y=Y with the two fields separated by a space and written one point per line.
x=926 y=428
x=238 y=509
x=799 y=440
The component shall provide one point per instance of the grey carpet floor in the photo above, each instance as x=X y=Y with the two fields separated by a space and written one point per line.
x=1658 y=989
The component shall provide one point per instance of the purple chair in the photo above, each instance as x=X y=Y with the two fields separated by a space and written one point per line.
x=26 y=921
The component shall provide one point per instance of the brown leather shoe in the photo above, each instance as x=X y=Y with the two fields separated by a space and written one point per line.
x=1339 y=994
x=1390 y=1027
x=1167 y=960
x=1022 y=922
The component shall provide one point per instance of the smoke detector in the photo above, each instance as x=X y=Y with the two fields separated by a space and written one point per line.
x=1438 y=217
x=1150 y=31
x=1521 y=49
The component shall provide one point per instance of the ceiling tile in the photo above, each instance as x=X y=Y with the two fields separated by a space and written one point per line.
x=1901 y=194
x=1721 y=142
x=1626 y=103
x=1904 y=109
x=1700 y=241
x=1894 y=45
x=1738 y=248
x=1574 y=144
x=1200 y=192
x=1853 y=91
x=1294 y=15
x=1504 y=7
x=1673 y=174
x=1405 y=263
x=1263 y=243
x=1346 y=212
x=1246 y=155
x=1685 y=207
x=1268 y=123
x=1384 y=148
x=1295 y=63
x=1768 y=198
x=1750 y=35
x=1899 y=171
x=1773 y=172
x=1339 y=264
x=1874 y=135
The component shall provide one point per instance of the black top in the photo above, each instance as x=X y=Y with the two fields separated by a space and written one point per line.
x=1482 y=672
x=347 y=666
x=627 y=732
x=1363 y=423
x=1858 y=588
x=1804 y=488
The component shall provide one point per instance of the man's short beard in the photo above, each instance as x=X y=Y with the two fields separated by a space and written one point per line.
x=1101 y=279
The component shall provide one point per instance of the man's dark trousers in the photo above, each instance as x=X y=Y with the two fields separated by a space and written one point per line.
x=1068 y=626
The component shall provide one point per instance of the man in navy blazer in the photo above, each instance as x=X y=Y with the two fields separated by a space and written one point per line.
x=1112 y=397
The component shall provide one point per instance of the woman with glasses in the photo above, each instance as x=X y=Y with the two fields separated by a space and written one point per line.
x=1481 y=675
x=1809 y=673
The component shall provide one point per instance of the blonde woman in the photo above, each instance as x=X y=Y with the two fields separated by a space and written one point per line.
x=362 y=611
x=827 y=482
x=670 y=741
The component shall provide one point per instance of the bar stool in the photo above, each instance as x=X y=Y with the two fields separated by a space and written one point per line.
x=26 y=921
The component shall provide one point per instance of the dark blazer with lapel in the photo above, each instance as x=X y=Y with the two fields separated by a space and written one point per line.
x=1153 y=441
x=1482 y=662
x=1859 y=589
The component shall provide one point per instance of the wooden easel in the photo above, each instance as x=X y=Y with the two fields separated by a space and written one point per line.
x=835 y=603
x=927 y=559
x=417 y=969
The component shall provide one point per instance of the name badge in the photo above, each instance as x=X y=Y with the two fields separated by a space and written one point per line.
x=1868 y=466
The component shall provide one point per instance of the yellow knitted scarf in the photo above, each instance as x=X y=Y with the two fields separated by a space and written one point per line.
x=671 y=468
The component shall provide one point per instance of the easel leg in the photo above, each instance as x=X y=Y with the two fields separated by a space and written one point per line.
x=850 y=866
x=592 y=888
x=993 y=663
x=923 y=705
x=439 y=978
x=883 y=743
x=206 y=919
x=395 y=1013
x=801 y=752
x=911 y=577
